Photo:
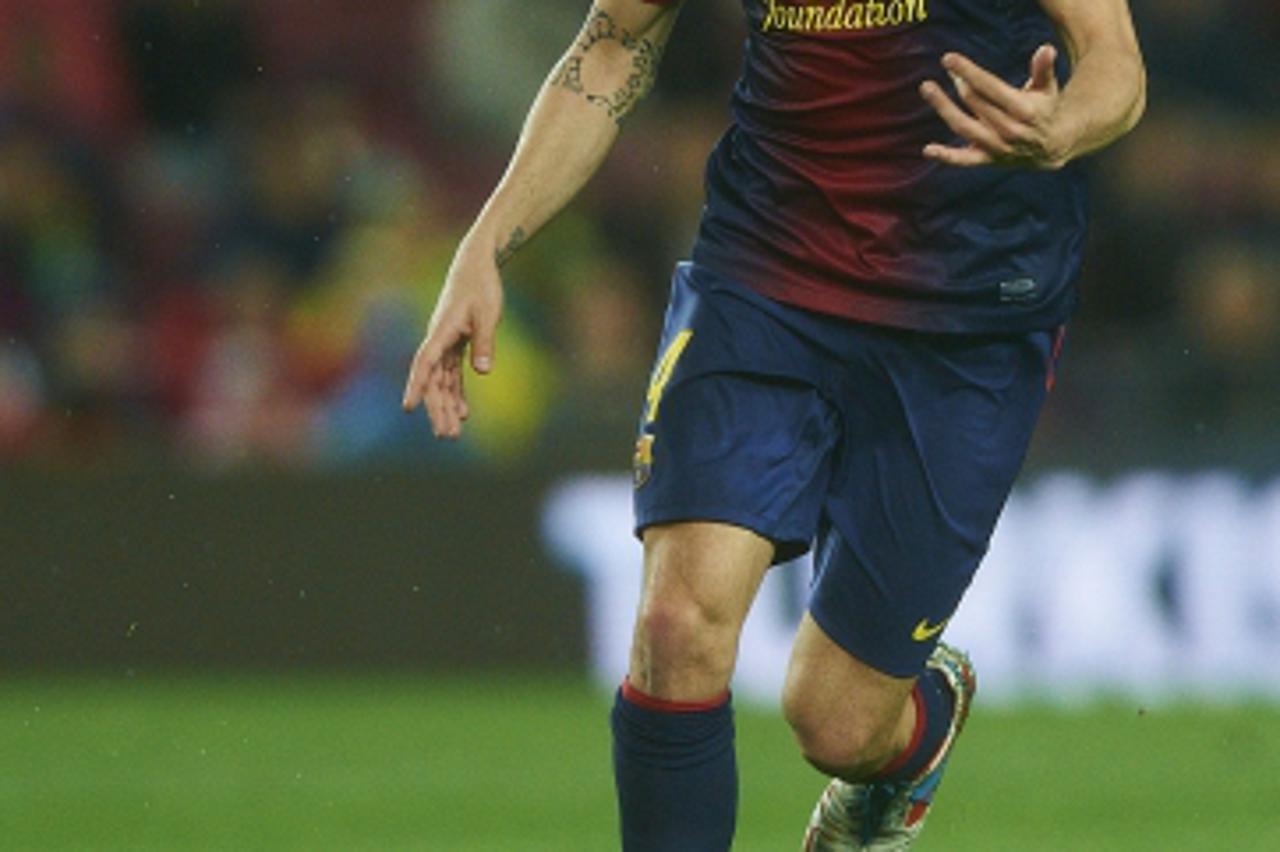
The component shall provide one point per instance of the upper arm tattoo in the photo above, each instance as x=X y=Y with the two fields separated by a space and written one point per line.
x=645 y=55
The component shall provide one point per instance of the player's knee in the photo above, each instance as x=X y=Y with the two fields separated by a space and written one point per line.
x=846 y=744
x=679 y=634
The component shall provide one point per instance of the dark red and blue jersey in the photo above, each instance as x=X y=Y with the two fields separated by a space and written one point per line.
x=819 y=195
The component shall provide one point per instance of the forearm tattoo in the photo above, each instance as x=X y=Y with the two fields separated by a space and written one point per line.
x=508 y=251
x=645 y=56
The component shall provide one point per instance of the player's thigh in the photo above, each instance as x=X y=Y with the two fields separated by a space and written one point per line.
x=734 y=472
x=733 y=477
x=700 y=579
x=926 y=464
x=715 y=566
x=731 y=467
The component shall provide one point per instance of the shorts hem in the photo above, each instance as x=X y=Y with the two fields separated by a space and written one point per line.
x=884 y=666
x=787 y=546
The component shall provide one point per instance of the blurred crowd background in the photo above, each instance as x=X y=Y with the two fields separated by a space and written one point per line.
x=223 y=224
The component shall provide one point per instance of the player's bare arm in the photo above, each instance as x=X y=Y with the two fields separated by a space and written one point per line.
x=1043 y=124
x=573 y=122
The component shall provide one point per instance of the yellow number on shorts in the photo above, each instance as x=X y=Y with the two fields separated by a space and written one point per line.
x=662 y=373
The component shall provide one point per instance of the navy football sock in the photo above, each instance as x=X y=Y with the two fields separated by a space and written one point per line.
x=935 y=705
x=676 y=774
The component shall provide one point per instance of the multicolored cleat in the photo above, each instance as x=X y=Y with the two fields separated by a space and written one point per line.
x=885 y=816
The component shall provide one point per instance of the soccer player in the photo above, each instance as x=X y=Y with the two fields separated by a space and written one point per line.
x=854 y=359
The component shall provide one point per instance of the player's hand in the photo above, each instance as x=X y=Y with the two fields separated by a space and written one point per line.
x=1002 y=125
x=466 y=317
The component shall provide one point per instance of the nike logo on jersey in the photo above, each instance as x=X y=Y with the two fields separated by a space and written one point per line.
x=924 y=631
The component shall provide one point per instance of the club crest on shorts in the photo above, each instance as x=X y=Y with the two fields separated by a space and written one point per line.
x=642 y=461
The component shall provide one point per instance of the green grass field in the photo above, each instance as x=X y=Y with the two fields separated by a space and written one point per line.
x=383 y=763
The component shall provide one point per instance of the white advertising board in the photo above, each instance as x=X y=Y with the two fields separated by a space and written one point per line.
x=1151 y=586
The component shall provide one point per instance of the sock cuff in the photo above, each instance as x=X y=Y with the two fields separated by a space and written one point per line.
x=661 y=705
x=917 y=734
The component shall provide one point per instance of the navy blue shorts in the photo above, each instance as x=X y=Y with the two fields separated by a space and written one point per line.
x=892 y=452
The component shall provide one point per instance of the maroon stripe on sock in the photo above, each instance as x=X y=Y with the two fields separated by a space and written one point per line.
x=917 y=734
x=661 y=705
x=1058 y=338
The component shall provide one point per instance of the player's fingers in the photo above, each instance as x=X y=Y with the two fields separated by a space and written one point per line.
x=441 y=396
x=960 y=122
x=441 y=348
x=449 y=397
x=458 y=409
x=1043 y=76
x=461 y=409
x=453 y=395
x=483 y=345
x=433 y=400
x=967 y=157
x=431 y=407
x=1006 y=126
x=415 y=386
x=413 y=389
x=425 y=361
x=987 y=85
